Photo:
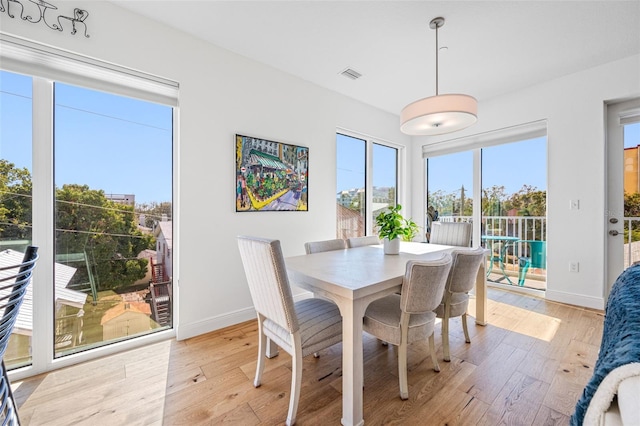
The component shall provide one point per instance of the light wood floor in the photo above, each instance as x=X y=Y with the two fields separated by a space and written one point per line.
x=527 y=367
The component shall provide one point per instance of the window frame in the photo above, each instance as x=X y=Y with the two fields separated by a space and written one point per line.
x=368 y=170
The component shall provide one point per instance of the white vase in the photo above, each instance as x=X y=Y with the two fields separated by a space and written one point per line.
x=391 y=246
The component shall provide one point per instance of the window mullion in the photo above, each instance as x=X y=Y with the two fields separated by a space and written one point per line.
x=43 y=223
x=368 y=188
x=477 y=196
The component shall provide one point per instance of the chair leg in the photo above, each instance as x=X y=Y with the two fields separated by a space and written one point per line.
x=402 y=355
x=432 y=348
x=9 y=409
x=402 y=370
x=465 y=328
x=296 y=380
x=262 y=353
x=524 y=266
x=445 y=332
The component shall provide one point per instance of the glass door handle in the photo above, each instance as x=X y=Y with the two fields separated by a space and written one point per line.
x=613 y=233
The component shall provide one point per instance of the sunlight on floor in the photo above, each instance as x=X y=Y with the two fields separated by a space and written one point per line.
x=109 y=380
x=520 y=320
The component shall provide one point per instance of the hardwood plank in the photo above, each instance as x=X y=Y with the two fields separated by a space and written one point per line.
x=517 y=403
x=548 y=417
x=574 y=371
x=492 y=374
x=242 y=415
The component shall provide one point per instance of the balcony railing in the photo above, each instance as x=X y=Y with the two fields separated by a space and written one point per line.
x=506 y=256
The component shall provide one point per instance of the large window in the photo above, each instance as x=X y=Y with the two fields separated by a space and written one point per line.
x=113 y=209
x=95 y=162
x=367 y=183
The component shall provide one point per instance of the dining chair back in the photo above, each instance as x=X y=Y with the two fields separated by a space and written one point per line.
x=369 y=240
x=451 y=233
x=462 y=277
x=408 y=317
x=14 y=280
x=299 y=328
x=325 y=245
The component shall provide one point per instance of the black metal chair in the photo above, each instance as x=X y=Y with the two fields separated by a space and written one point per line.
x=14 y=280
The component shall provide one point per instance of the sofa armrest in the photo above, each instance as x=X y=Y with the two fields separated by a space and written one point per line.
x=628 y=392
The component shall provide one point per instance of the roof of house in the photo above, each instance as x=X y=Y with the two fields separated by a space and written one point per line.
x=63 y=295
x=124 y=307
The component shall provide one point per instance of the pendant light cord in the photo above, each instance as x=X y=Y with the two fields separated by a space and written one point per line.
x=437 y=26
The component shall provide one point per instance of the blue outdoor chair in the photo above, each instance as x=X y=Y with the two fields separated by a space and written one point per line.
x=536 y=258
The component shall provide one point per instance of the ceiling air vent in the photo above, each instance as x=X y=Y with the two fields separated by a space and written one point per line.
x=352 y=74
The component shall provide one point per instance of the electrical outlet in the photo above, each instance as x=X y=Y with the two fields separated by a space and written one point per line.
x=574 y=204
x=574 y=266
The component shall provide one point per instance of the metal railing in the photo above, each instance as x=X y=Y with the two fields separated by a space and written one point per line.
x=631 y=240
x=524 y=228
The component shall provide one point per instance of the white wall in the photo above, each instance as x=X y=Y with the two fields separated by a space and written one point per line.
x=222 y=94
x=574 y=109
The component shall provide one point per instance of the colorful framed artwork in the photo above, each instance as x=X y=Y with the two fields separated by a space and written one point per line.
x=271 y=176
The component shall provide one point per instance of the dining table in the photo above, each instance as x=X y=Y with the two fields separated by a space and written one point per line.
x=353 y=278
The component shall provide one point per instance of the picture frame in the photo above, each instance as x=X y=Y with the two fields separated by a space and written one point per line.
x=270 y=175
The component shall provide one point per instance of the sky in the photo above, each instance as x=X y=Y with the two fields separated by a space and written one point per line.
x=510 y=165
x=109 y=142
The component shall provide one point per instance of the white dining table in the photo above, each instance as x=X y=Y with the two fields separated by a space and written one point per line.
x=353 y=278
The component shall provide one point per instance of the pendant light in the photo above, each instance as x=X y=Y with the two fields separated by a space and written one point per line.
x=438 y=114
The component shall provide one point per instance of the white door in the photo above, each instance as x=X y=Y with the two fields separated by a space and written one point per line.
x=623 y=170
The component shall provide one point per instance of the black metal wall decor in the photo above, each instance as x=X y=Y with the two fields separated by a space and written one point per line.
x=30 y=14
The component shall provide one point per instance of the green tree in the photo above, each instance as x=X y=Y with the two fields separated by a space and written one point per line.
x=493 y=201
x=528 y=201
x=442 y=201
x=631 y=204
x=15 y=202
x=87 y=222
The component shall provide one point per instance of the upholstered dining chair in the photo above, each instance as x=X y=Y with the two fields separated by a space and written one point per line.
x=369 y=240
x=300 y=328
x=451 y=233
x=401 y=319
x=462 y=277
x=325 y=245
x=14 y=279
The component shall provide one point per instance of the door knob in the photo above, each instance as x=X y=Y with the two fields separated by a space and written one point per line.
x=613 y=232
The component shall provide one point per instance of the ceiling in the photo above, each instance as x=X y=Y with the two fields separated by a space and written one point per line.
x=494 y=47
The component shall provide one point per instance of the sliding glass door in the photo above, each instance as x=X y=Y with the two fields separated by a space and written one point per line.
x=514 y=210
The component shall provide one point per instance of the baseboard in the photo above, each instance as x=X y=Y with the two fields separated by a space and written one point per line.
x=575 y=299
x=186 y=331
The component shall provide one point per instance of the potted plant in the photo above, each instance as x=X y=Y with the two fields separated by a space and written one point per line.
x=392 y=227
